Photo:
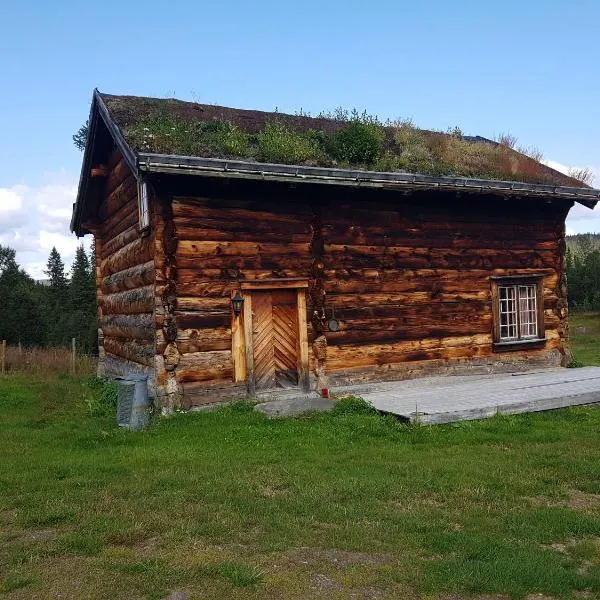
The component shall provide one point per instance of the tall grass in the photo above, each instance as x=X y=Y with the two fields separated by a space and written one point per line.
x=46 y=361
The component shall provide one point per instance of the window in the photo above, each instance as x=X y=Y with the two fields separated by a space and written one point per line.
x=144 y=211
x=518 y=311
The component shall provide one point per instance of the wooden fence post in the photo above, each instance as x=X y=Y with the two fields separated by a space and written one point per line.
x=73 y=355
x=3 y=357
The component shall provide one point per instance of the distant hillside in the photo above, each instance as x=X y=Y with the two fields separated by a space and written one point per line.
x=582 y=243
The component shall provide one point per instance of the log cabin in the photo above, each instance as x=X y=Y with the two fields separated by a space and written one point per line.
x=240 y=251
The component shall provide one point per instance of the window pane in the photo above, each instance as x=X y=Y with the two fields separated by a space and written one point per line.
x=528 y=310
x=508 y=312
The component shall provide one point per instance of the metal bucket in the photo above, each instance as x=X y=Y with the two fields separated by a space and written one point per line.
x=133 y=403
x=142 y=407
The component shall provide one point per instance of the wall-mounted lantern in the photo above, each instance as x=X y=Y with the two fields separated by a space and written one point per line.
x=237 y=302
x=334 y=324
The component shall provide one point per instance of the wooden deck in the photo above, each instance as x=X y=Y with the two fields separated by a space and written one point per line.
x=461 y=398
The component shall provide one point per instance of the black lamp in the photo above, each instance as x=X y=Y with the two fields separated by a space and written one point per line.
x=237 y=302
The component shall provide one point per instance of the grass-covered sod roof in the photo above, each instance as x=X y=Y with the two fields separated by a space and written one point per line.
x=341 y=139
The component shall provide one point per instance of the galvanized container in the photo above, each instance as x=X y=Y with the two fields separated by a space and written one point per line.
x=133 y=404
x=142 y=407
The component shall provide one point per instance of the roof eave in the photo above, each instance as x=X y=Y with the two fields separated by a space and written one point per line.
x=216 y=167
x=98 y=110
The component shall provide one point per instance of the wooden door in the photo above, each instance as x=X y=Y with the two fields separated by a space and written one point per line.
x=275 y=338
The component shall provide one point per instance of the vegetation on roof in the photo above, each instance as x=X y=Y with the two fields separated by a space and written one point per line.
x=342 y=139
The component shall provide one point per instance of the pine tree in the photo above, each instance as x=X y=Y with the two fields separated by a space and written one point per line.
x=81 y=290
x=58 y=304
x=21 y=307
x=82 y=293
x=55 y=269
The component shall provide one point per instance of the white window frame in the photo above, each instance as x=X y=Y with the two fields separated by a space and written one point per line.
x=143 y=206
x=518 y=311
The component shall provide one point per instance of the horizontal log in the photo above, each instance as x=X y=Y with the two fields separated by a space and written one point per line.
x=259 y=262
x=120 y=241
x=356 y=355
x=118 y=174
x=136 y=301
x=115 y=225
x=457 y=365
x=368 y=333
x=134 y=277
x=202 y=393
x=244 y=232
x=136 y=326
x=207 y=289
x=334 y=300
x=205 y=366
x=499 y=239
x=134 y=351
x=197 y=249
x=341 y=357
x=124 y=194
x=203 y=340
x=374 y=257
x=391 y=318
x=428 y=213
x=377 y=223
x=193 y=275
x=416 y=280
x=209 y=319
x=202 y=209
x=117 y=366
x=137 y=252
x=195 y=303
x=425 y=313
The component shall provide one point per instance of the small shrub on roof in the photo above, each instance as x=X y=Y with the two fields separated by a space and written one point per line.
x=414 y=149
x=358 y=143
x=278 y=144
x=221 y=138
x=585 y=175
x=162 y=133
x=170 y=135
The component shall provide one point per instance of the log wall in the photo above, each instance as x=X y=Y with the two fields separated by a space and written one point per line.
x=407 y=276
x=410 y=283
x=220 y=242
x=125 y=280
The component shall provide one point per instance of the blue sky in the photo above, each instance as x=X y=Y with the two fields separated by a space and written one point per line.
x=529 y=68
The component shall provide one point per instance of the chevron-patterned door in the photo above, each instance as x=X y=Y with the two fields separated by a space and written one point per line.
x=275 y=338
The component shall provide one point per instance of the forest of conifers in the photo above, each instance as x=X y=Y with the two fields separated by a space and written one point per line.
x=53 y=312
x=64 y=305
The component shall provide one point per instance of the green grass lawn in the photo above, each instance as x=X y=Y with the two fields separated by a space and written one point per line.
x=229 y=504
x=585 y=337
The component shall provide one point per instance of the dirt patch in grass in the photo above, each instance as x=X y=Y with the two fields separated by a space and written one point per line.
x=575 y=500
x=42 y=535
x=333 y=556
x=485 y=597
x=324 y=584
x=583 y=501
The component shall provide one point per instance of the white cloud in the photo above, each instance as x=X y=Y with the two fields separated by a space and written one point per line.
x=34 y=219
